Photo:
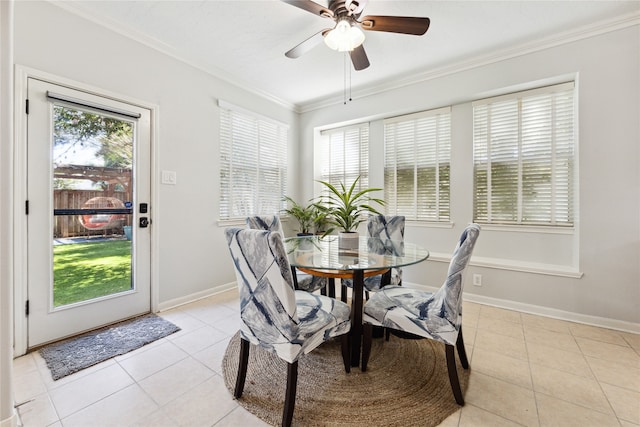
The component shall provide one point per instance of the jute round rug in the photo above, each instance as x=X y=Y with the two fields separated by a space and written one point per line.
x=406 y=383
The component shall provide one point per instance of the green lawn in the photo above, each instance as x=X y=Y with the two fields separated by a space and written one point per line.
x=83 y=271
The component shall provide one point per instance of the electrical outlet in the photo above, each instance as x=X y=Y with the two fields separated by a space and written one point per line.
x=477 y=279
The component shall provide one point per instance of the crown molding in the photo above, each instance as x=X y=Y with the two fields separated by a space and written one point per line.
x=165 y=49
x=558 y=39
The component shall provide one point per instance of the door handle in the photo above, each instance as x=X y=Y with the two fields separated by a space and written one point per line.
x=144 y=222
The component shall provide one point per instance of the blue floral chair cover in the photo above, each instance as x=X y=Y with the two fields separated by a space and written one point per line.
x=274 y=315
x=303 y=281
x=437 y=316
x=386 y=228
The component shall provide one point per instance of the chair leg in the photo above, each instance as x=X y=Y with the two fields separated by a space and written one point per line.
x=367 y=332
x=387 y=334
x=453 y=374
x=346 y=351
x=461 y=350
x=242 y=368
x=343 y=293
x=332 y=287
x=290 y=398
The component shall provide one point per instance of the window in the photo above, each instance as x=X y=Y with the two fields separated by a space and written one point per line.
x=523 y=149
x=417 y=165
x=343 y=156
x=253 y=163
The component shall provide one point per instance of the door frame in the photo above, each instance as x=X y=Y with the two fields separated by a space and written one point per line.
x=20 y=285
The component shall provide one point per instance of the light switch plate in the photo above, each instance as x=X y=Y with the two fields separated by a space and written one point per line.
x=169 y=177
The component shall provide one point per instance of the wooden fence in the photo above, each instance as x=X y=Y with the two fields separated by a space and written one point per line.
x=70 y=225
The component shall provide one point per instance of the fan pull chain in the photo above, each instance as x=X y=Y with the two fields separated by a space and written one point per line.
x=344 y=69
x=346 y=65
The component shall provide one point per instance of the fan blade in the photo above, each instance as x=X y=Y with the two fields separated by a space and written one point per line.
x=312 y=7
x=359 y=58
x=396 y=24
x=355 y=7
x=306 y=45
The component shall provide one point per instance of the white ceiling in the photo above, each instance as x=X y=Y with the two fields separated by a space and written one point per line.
x=244 y=41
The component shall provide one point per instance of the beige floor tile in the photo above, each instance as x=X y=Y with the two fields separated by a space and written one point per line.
x=212 y=356
x=241 y=417
x=157 y=418
x=495 y=364
x=615 y=374
x=569 y=387
x=29 y=386
x=626 y=403
x=632 y=339
x=505 y=345
x=185 y=322
x=597 y=334
x=469 y=336
x=614 y=353
x=24 y=364
x=144 y=364
x=175 y=380
x=195 y=407
x=38 y=412
x=496 y=313
x=546 y=323
x=473 y=416
x=229 y=325
x=510 y=329
x=452 y=420
x=210 y=314
x=502 y=398
x=89 y=389
x=552 y=339
x=199 y=339
x=554 y=412
x=119 y=409
x=566 y=361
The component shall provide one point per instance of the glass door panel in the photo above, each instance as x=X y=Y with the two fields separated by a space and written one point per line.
x=93 y=200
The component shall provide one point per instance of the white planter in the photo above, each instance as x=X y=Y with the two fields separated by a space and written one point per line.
x=348 y=240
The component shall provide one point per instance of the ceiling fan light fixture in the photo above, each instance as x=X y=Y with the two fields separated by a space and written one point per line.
x=344 y=37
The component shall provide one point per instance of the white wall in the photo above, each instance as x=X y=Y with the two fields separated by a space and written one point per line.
x=607 y=239
x=193 y=257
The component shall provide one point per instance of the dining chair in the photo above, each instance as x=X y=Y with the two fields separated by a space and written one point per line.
x=275 y=316
x=301 y=280
x=386 y=228
x=420 y=314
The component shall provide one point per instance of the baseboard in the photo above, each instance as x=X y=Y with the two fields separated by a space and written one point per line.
x=167 y=305
x=12 y=421
x=602 y=322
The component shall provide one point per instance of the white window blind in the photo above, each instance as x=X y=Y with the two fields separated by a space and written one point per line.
x=344 y=156
x=523 y=149
x=417 y=165
x=253 y=164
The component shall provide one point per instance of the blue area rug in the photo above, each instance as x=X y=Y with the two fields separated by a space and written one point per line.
x=74 y=354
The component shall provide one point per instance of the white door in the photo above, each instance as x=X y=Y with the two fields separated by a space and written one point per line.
x=88 y=188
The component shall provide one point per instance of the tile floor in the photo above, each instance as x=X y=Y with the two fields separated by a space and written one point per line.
x=526 y=370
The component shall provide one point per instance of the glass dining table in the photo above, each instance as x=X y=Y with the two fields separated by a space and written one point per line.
x=323 y=256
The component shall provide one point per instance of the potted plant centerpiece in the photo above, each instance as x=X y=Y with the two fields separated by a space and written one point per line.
x=303 y=214
x=348 y=208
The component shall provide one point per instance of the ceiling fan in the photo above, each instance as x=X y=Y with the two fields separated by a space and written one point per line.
x=347 y=35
